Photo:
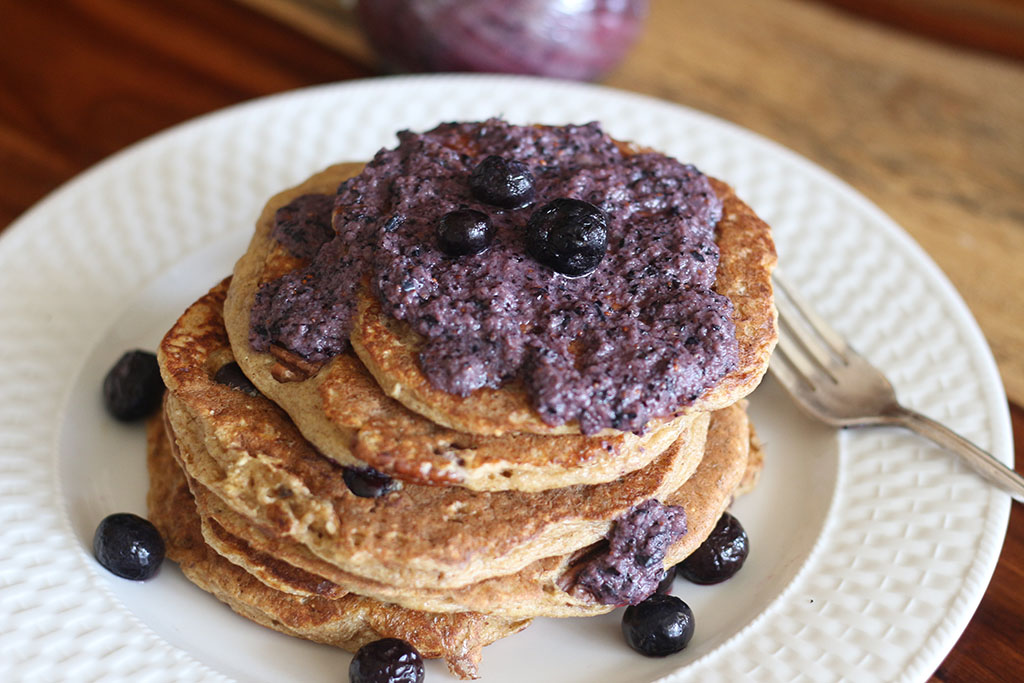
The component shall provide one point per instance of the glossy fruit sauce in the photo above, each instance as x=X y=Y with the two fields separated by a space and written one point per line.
x=639 y=337
x=629 y=570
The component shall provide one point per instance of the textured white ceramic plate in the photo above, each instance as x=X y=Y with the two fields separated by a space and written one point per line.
x=870 y=551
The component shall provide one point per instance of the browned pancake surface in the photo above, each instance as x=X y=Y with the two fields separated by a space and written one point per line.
x=535 y=590
x=328 y=616
x=260 y=464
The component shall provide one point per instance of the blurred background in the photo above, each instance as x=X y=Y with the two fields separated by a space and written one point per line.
x=919 y=104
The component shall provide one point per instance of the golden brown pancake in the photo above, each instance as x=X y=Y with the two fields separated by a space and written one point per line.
x=253 y=456
x=535 y=590
x=755 y=464
x=343 y=412
x=390 y=349
x=326 y=614
x=493 y=513
x=419 y=535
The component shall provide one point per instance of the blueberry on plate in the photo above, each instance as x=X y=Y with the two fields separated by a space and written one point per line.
x=720 y=555
x=464 y=232
x=133 y=388
x=502 y=182
x=128 y=546
x=367 y=482
x=386 y=661
x=659 y=626
x=568 y=235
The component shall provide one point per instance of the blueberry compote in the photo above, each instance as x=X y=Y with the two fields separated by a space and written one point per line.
x=631 y=568
x=304 y=224
x=638 y=337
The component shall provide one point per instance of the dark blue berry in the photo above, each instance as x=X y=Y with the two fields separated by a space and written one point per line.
x=720 y=555
x=386 y=661
x=568 y=235
x=231 y=375
x=128 y=546
x=133 y=387
x=367 y=482
x=665 y=585
x=463 y=232
x=660 y=625
x=502 y=182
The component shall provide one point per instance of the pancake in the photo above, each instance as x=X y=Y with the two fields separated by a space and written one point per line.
x=326 y=614
x=390 y=349
x=755 y=465
x=259 y=465
x=252 y=455
x=542 y=588
x=488 y=516
x=341 y=409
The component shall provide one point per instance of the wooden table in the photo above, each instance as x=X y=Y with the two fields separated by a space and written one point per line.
x=931 y=131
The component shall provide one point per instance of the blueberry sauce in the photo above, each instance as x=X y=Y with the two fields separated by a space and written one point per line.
x=639 y=337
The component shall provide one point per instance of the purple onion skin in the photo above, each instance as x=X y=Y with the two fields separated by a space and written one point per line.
x=557 y=38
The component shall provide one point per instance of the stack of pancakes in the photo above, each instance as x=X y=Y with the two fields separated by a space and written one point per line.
x=487 y=514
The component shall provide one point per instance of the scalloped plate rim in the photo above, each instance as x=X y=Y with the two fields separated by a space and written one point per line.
x=998 y=508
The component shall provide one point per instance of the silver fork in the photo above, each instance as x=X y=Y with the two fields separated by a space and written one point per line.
x=835 y=384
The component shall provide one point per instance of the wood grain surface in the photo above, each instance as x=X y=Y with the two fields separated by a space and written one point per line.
x=995 y=26
x=932 y=134
x=931 y=131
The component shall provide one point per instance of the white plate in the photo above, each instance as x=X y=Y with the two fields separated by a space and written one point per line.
x=870 y=549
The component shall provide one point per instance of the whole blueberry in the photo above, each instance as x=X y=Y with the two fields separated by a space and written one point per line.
x=367 y=482
x=568 y=235
x=128 y=546
x=502 y=182
x=660 y=625
x=133 y=388
x=665 y=585
x=386 y=661
x=720 y=555
x=463 y=232
x=231 y=375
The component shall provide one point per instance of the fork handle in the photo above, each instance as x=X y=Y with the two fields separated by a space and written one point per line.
x=981 y=461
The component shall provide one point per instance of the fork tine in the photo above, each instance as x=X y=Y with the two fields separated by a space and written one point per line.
x=802 y=360
x=860 y=394
x=803 y=343
x=808 y=327
x=784 y=370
